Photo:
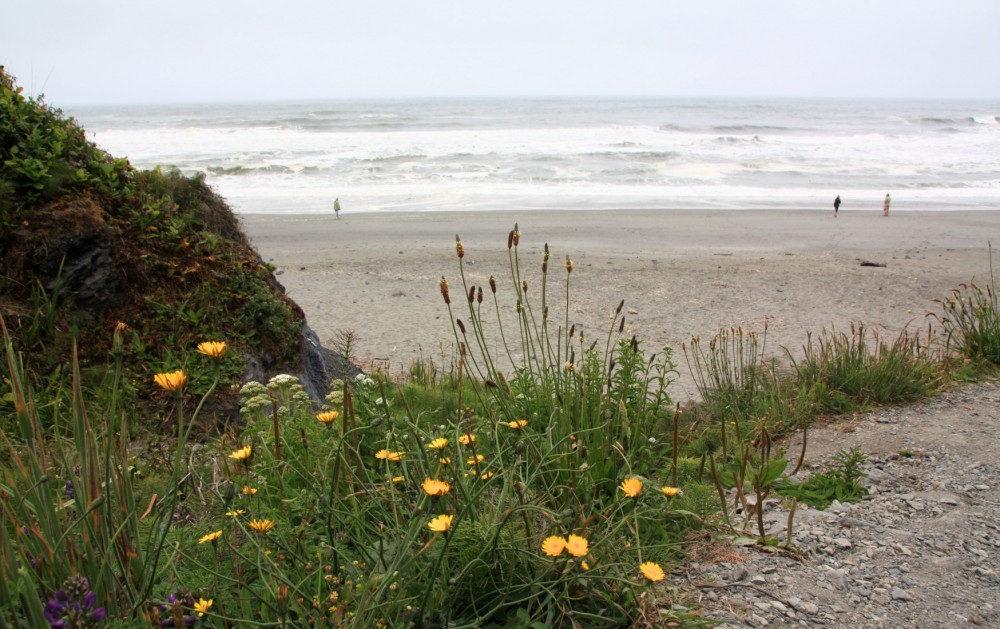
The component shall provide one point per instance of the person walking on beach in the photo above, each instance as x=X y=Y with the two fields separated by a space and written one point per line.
x=885 y=206
x=336 y=207
x=836 y=206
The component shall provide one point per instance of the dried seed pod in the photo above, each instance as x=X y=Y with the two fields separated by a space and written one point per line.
x=459 y=249
x=472 y=293
x=479 y=295
x=461 y=326
x=443 y=283
x=569 y=265
x=510 y=239
x=524 y=286
x=493 y=284
x=517 y=235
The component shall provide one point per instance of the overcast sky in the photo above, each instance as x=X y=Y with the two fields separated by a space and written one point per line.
x=140 y=51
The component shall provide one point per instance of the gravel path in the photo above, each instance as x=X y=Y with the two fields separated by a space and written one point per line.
x=922 y=550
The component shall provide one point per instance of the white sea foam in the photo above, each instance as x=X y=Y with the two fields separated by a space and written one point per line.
x=600 y=154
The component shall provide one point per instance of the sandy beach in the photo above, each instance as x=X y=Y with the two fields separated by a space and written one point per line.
x=681 y=273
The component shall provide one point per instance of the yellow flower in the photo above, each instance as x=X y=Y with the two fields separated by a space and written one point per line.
x=670 y=492
x=577 y=546
x=585 y=565
x=396 y=456
x=235 y=514
x=652 y=571
x=439 y=444
x=172 y=381
x=435 y=487
x=553 y=546
x=242 y=454
x=386 y=455
x=467 y=438
x=327 y=417
x=398 y=479
x=261 y=526
x=213 y=349
x=474 y=460
x=486 y=476
x=445 y=460
x=249 y=491
x=518 y=423
x=202 y=606
x=631 y=486
x=211 y=537
x=440 y=524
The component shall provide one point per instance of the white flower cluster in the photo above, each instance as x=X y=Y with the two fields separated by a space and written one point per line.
x=363 y=380
x=335 y=397
x=253 y=397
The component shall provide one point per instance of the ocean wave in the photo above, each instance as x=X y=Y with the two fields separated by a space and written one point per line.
x=748 y=127
x=249 y=170
x=728 y=139
x=392 y=159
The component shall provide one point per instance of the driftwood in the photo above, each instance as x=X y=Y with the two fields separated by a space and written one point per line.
x=868 y=263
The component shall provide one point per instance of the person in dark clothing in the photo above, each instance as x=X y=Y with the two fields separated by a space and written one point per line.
x=836 y=206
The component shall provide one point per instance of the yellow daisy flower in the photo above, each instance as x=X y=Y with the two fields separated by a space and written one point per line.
x=486 y=476
x=467 y=438
x=475 y=460
x=327 y=417
x=631 y=487
x=235 y=514
x=172 y=381
x=202 y=606
x=435 y=487
x=553 y=546
x=577 y=546
x=517 y=423
x=670 y=492
x=211 y=537
x=398 y=479
x=261 y=526
x=242 y=454
x=441 y=523
x=249 y=491
x=213 y=349
x=439 y=444
x=652 y=571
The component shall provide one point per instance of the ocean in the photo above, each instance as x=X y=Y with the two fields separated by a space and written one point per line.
x=566 y=154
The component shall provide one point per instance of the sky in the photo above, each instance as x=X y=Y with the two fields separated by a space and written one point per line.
x=156 y=51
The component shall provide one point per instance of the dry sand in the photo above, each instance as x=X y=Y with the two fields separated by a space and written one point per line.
x=681 y=273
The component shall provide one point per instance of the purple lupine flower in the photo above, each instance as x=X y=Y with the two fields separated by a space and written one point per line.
x=173 y=612
x=74 y=606
x=70 y=492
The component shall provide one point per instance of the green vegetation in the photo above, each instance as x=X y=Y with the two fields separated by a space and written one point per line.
x=970 y=318
x=89 y=242
x=840 y=483
x=554 y=483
